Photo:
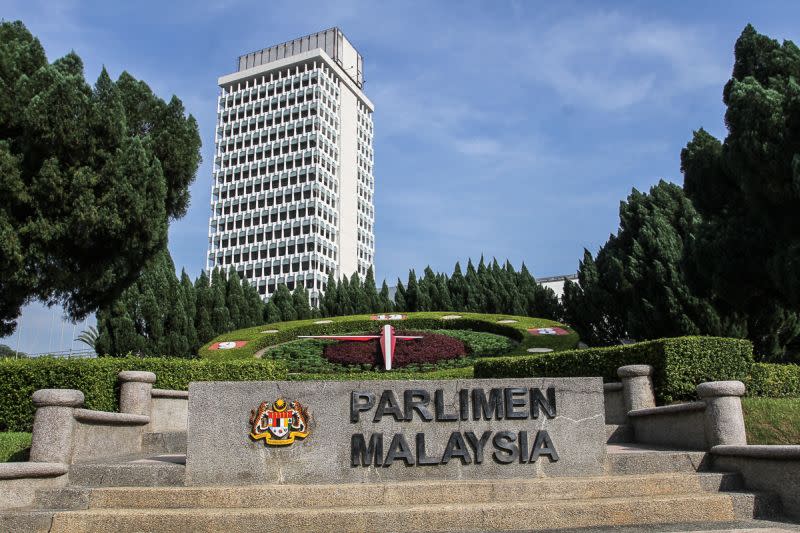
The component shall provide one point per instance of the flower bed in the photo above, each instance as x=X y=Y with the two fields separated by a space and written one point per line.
x=431 y=348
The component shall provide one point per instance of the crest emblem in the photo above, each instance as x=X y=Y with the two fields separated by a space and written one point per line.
x=279 y=423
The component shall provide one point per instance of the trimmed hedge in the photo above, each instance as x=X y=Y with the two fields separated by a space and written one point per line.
x=774 y=381
x=97 y=379
x=679 y=363
x=289 y=331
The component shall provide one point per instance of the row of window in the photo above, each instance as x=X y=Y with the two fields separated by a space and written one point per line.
x=316 y=176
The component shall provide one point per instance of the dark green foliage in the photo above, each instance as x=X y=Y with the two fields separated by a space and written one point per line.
x=300 y=302
x=384 y=302
x=489 y=289
x=97 y=379
x=637 y=286
x=774 y=381
x=680 y=364
x=89 y=178
x=747 y=188
x=160 y=315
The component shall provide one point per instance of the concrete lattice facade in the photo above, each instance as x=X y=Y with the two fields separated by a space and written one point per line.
x=293 y=184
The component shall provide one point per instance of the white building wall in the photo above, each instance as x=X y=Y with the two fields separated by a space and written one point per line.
x=292 y=190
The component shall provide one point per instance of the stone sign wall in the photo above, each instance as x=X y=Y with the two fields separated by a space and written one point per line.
x=374 y=431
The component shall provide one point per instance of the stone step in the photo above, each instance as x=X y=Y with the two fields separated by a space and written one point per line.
x=407 y=493
x=162 y=470
x=172 y=442
x=494 y=516
x=635 y=459
x=619 y=433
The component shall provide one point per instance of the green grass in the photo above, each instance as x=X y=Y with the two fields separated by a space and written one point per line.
x=772 y=420
x=14 y=446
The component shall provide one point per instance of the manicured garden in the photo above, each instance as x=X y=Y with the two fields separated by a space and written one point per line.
x=524 y=331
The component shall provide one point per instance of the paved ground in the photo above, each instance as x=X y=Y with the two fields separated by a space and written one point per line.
x=743 y=526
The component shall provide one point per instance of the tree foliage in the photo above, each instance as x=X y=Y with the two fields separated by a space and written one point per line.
x=89 y=177
x=722 y=255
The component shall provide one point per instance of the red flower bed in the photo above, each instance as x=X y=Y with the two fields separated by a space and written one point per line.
x=431 y=348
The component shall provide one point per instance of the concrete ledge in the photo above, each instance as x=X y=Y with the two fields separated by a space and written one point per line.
x=784 y=452
x=167 y=393
x=103 y=417
x=632 y=371
x=714 y=389
x=137 y=376
x=669 y=409
x=28 y=470
x=612 y=387
x=57 y=397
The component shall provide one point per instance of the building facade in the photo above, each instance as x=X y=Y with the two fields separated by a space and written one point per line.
x=293 y=184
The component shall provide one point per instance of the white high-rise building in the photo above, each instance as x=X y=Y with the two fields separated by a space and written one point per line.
x=292 y=198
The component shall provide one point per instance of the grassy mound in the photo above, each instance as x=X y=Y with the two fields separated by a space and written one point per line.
x=514 y=327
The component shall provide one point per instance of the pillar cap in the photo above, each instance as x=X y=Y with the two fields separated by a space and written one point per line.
x=57 y=397
x=632 y=371
x=712 y=389
x=137 y=376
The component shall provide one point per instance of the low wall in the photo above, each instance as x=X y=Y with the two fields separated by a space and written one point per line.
x=381 y=431
x=614 y=404
x=677 y=426
x=169 y=410
x=20 y=481
x=768 y=468
x=99 y=434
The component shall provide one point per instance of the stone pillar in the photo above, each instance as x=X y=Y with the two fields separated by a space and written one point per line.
x=135 y=392
x=724 y=421
x=54 y=424
x=637 y=386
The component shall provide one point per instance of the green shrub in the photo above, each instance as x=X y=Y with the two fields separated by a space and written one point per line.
x=97 y=379
x=14 y=446
x=679 y=363
x=773 y=380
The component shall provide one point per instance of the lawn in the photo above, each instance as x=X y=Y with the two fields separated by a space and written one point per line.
x=772 y=420
x=14 y=446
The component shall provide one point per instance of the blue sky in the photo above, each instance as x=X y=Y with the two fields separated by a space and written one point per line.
x=505 y=128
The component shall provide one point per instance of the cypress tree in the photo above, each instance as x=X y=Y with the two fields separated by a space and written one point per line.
x=300 y=302
x=371 y=291
x=253 y=309
x=458 y=289
x=384 y=302
x=282 y=299
x=234 y=299
x=412 y=293
x=400 y=297
x=220 y=316
x=343 y=299
x=330 y=306
x=190 y=304
x=204 y=308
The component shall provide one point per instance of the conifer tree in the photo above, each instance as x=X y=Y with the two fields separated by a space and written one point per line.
x=384 y=302
x=343 y=298
x=300 y=302
x=204 y=305
x=400 y=297
x=458 y=289
x=412 y=293
x=189 y=298
x=220 y=316
x=234 y=299
x=282 y=299
x=253 y=309
x=371 y=292
x=330 y=305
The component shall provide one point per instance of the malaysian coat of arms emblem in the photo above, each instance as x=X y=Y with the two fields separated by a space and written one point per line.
x=279 y=423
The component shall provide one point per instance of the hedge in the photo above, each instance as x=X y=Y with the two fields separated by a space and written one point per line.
x=257 y=338
x=97 y=379
x=679 y=363
x=774 y=381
